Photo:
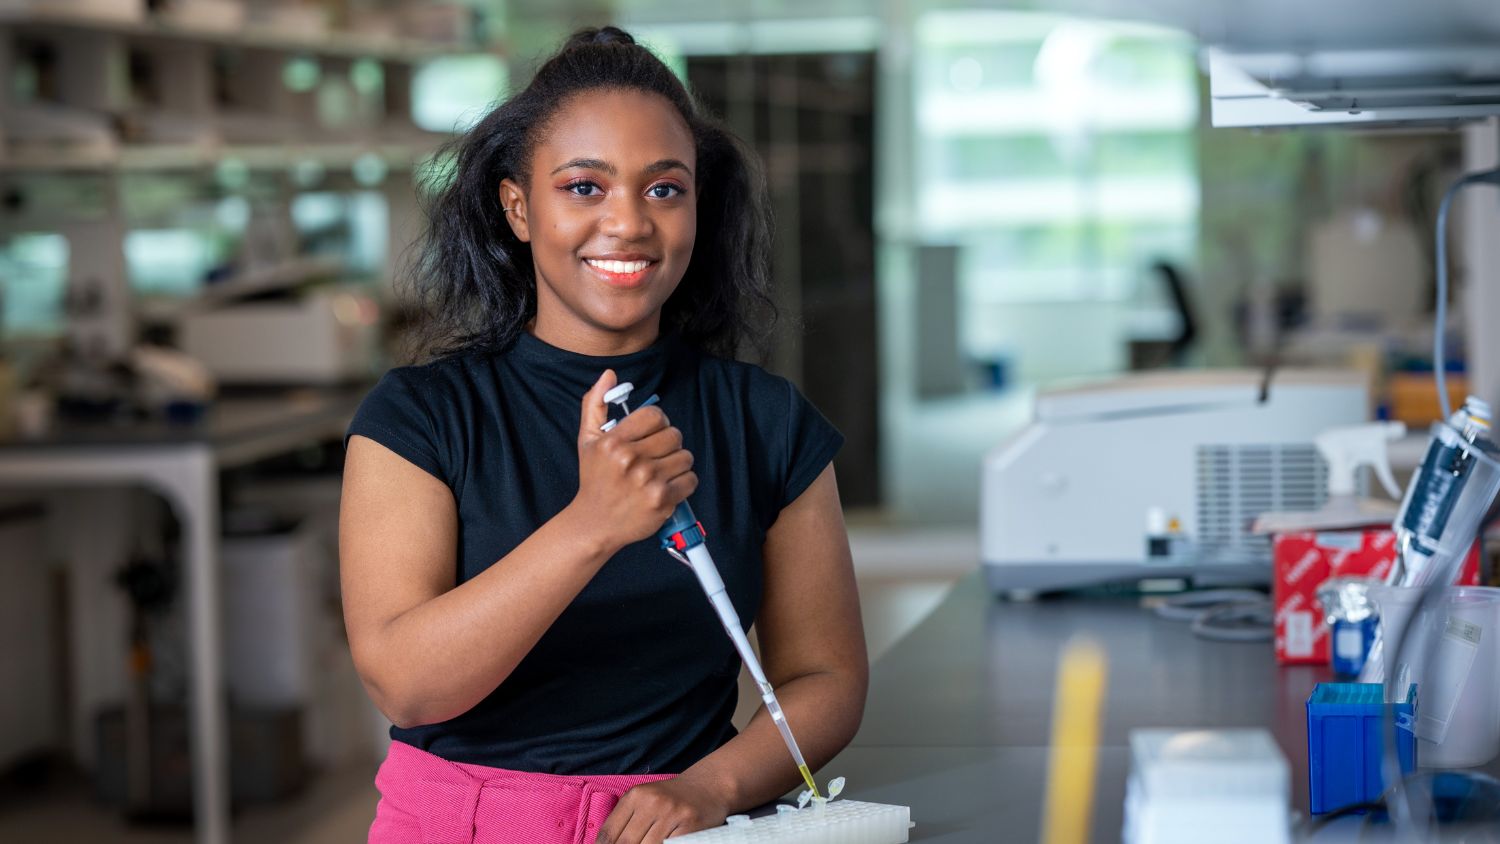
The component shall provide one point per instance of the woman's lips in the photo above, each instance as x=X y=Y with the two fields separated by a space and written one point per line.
x=621 y=273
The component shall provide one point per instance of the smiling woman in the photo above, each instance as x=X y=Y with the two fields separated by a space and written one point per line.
x=552 y=675
x=475 y=271
x=619 y=215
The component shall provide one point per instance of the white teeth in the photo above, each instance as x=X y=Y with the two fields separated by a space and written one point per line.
x=619 y=266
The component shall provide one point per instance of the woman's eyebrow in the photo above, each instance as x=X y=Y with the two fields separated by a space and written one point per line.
x=603 y=166
x=667 y=164
x=588 y=164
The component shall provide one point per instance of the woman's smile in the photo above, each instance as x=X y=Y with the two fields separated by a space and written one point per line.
x=623 y=270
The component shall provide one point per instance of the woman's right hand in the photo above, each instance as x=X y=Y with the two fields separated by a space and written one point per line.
x=631 y=477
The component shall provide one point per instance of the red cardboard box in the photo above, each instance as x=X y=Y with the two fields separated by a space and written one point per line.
x=1302 y=561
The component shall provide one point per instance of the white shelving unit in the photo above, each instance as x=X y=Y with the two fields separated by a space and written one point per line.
x=105 y=90
x=100 y=98
x=148 y=93
x=322 y=42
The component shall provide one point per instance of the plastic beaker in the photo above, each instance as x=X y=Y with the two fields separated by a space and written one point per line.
x=1458 y=722
x=1395 y=605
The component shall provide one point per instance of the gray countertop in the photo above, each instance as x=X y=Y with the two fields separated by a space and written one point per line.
x=231 y=423
x=960 y=711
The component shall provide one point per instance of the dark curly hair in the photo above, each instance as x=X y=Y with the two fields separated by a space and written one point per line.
x=474 y=279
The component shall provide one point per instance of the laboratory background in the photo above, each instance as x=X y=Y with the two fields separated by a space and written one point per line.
x=1164 y=336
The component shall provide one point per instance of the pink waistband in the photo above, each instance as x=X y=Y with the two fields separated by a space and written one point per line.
x=425 y=799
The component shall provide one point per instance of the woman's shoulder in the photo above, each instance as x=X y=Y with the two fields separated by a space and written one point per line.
x=740 y=374
x=761 y=394
x=419 y=411
x=439 y=390
x=433 y=378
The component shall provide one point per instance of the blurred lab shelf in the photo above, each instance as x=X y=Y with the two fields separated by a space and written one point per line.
x=322 y=42
x=165 y=158
x=251 y=282
x=200 y=112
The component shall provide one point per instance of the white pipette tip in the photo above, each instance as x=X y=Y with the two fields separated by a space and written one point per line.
x=619 y=393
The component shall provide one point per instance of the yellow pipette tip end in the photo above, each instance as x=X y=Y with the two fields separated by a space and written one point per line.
x=807 y=778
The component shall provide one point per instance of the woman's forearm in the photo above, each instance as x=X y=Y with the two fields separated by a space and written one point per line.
x=824 y=711
x=440 y=658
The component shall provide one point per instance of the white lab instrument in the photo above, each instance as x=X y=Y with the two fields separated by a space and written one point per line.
x=1226 y=786
x=1158 y=475
x=324 y=336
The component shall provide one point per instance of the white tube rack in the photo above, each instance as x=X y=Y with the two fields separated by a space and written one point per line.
x=840 y=822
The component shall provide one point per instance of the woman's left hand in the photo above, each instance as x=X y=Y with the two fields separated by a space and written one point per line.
x=650 y=813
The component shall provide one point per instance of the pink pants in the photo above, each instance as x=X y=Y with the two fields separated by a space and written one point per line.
x=425 y=799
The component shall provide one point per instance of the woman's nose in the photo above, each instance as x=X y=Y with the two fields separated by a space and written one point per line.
x=627 y=218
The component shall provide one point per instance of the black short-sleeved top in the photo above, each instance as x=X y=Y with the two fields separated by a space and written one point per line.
x=637 y=675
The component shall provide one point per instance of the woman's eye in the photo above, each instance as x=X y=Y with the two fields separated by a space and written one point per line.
x=583 y=188
x=664 y=191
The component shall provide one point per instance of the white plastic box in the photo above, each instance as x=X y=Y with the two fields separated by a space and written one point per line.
x=270 y=618
x=837 y=822
x=1190 y=786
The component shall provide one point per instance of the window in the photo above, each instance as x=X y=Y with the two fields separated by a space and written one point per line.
x=33 y=278
x=168 y=262
x=1058 y=156
x=452 y=93
x=352 y=227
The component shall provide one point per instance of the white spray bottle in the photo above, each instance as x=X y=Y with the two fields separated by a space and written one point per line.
x=1345 y=450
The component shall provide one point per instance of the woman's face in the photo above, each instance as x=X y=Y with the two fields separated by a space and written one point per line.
x=611 y=215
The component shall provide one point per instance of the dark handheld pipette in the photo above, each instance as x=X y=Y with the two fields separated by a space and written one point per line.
x=684 y=538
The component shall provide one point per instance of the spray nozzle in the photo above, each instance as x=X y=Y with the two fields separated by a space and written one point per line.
x=1347 y=449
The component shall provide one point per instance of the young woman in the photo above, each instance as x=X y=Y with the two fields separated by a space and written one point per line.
x=552 y=675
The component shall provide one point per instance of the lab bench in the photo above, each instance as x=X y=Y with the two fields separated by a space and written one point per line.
x=959 y=713
x=182 y=464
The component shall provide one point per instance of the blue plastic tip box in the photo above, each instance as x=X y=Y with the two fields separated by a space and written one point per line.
x=1346 y=729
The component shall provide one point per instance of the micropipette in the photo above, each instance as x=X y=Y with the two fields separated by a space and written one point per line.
x=684 y=538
